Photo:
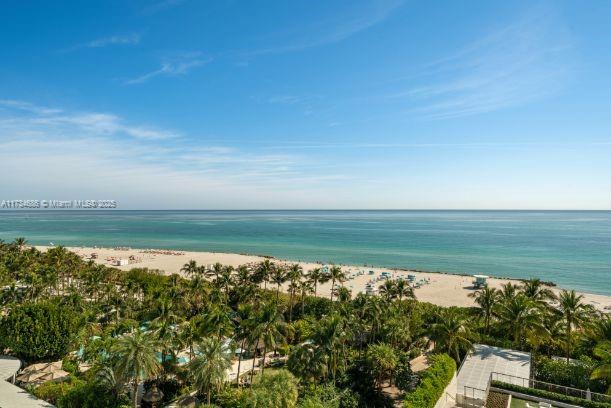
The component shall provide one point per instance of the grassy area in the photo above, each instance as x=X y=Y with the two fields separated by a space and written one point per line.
x=519 y=403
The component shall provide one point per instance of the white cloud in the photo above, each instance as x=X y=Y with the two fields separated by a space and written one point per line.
x=119 y=39
x=524 y=61
x=128 y=39
x=177 y=65
x=355 y=19
x=101 y=155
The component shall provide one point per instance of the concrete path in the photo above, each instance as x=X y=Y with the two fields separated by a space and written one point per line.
x=12 y=396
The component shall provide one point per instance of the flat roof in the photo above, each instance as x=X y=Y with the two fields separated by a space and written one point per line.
x=11 y=395
x=476 y=369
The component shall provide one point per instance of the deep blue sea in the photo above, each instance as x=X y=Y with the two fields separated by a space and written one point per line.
x=571 y=248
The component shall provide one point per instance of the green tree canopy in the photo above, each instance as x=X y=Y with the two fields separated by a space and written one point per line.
x=38 y=331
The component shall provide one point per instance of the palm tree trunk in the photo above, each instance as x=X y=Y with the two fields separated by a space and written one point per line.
x=291 y=306
x=568 y=342
x=237 y=378
x=332 y=288
x=315 y=286
x=254 y=357
x=263 y=363
x=135 y=396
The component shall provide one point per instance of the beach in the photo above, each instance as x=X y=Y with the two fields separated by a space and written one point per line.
x=437 y=288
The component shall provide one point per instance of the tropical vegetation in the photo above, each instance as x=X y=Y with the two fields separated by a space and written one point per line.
x=257 y=334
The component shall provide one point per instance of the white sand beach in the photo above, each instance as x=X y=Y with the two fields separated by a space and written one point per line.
x=442 y=289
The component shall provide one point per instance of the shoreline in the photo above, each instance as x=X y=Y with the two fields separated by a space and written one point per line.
x=443 y=288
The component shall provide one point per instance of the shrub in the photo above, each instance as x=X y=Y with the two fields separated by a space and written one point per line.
x=434 y=380
x=90 y=395
x=316 y=307
x=405 y=379
x=70 y=365
x=53 y=391
x=570 y=374
x=550 y=395
x=329 y=396
x=38 y=331
x=276 y=390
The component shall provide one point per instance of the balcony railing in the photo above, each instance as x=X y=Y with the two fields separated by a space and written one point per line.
x=555 y=388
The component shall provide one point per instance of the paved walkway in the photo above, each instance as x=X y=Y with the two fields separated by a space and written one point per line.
x=12 y=396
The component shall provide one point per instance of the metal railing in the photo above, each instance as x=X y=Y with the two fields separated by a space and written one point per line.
x=544 y=386
x=472 y=397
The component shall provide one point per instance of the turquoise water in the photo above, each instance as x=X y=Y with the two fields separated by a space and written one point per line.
x=572 y=249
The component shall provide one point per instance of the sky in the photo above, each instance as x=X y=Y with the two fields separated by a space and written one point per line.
x=389 y=104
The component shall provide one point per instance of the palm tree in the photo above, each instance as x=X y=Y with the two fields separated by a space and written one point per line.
x=330 y=338
x=215 y=272
x=451 y=333
x=165 y=326
x=573 y=312
x=403 y=290
x=20 y=243
x=307 y=363
x=190 y=333
x=198 y=291
x=487 y=299
x=190 y=268
x=520 y=315
x=278 y=277
x=336 y=275
x=603 y=369
x=373 y=310
x=268 y=328
x=293 y=275
x=245 y=315
x=217 y=321
x=534 y=289
x=58 y=257
x=225 y=279
x=382 y=361
x=135 y=359
x=317 y=276
x=508 y=291
x=305 y=287
x=209 y=369
x=388 y=290
x=342 y=294
x=596 y=331
x=263 y=272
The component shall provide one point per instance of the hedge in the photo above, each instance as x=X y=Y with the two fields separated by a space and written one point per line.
x=38 y=331
x=550 y=395
x=434 y=381
x=575 y=374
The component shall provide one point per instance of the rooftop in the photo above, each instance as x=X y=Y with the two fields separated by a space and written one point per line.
x=11 y=395
x=484 y=360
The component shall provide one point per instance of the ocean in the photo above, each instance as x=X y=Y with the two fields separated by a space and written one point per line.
x=570 y=248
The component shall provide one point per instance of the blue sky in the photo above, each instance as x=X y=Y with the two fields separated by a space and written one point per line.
x=307 y=104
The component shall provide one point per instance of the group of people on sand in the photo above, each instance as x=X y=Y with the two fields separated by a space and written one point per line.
x=162 y=252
